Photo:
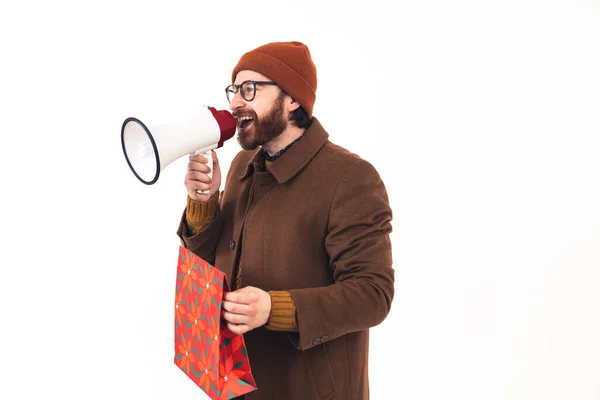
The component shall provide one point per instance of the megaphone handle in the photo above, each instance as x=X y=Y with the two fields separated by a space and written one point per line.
x=208 y=155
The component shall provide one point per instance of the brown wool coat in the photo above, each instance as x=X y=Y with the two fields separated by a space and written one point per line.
x=317 y=224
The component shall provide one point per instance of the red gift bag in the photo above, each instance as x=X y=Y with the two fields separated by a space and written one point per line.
x=212 y=356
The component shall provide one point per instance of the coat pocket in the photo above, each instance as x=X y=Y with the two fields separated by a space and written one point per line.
x=321 y=371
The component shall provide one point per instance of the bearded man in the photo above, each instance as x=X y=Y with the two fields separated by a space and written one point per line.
x=301 y=229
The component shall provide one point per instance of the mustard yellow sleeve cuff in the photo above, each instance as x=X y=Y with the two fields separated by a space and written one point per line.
x=283 y=312
x=199 y=214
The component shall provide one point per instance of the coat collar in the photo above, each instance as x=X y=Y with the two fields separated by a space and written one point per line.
x=295 y=158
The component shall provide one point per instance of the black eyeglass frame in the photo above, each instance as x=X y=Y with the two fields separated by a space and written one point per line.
x=234 y=89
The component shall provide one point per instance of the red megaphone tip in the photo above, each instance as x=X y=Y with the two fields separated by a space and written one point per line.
x=226 y=124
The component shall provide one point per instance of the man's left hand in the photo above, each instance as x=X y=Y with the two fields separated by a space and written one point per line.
x=246 y=309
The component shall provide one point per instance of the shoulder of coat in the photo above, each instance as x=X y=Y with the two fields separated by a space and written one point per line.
x=339 y=154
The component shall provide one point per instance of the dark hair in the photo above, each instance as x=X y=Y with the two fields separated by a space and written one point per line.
x=300 y=118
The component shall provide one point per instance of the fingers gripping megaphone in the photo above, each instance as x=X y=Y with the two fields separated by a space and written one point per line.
x=149 y=149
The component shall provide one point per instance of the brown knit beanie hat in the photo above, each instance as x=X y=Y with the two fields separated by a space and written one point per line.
x=289 y=64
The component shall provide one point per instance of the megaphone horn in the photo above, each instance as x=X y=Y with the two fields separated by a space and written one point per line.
x=149 y=149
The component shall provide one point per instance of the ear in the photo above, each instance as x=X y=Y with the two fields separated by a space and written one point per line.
x=291 y=104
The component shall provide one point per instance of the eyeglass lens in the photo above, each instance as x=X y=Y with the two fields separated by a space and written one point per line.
x=247 y=90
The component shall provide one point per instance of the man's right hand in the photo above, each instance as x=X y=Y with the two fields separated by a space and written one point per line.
x=197 y=177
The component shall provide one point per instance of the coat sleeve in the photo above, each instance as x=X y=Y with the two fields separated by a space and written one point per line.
x=204 y=243
x=359 y=248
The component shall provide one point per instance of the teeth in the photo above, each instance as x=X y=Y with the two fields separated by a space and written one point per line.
x=245 y=118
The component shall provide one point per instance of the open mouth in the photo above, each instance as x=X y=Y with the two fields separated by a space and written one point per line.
x=244 y=121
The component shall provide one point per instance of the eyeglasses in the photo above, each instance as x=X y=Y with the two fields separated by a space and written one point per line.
x=246 y=88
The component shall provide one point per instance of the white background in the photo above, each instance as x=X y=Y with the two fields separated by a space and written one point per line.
x=482 y=118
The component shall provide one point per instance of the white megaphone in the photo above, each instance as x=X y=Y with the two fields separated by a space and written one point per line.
x=149 y=149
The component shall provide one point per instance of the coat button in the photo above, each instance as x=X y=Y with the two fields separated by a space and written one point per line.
x=232 y=245
x=316 y=341
x=324 y=338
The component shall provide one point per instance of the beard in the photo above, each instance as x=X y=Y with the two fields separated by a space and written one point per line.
x=265 y=128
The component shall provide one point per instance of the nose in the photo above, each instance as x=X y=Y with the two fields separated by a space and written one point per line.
x=237 y=102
